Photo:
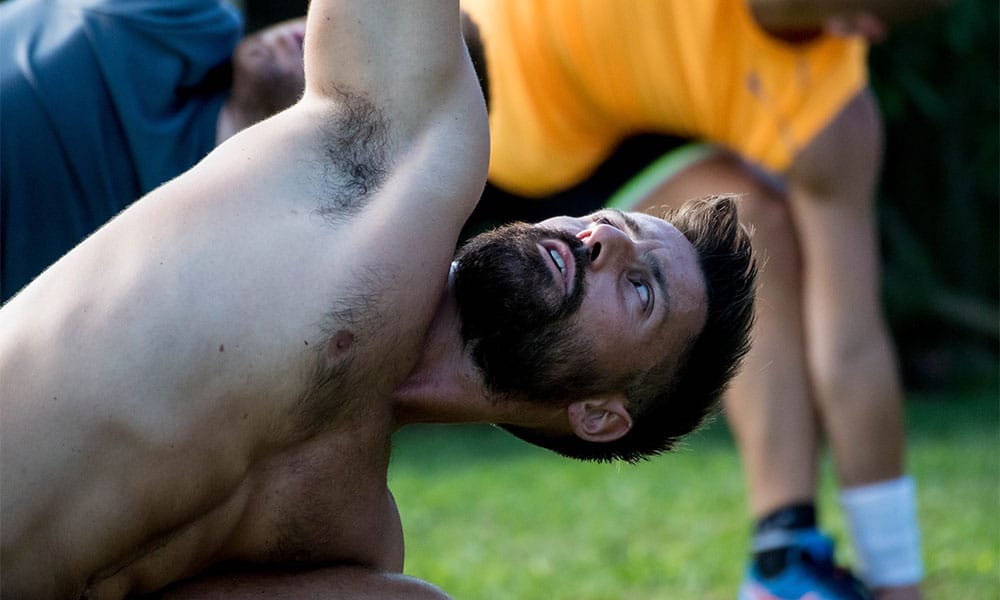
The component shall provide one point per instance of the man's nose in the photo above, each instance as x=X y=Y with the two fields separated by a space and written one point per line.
x=608 y=246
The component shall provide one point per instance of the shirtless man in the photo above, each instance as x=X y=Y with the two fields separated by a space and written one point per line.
x=213 y=377
x=165 y=384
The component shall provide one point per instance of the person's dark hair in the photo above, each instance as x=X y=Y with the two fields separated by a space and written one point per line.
x=674 y=397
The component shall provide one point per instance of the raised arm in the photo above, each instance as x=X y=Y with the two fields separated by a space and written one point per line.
x=405 y=56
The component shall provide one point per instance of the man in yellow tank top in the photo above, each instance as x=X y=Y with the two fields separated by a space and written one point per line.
x=569 y=85
x=778 y=95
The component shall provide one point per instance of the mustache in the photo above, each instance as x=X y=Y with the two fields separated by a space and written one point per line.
x=503 y=281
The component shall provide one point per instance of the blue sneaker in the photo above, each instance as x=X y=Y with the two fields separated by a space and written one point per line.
x=809 y=574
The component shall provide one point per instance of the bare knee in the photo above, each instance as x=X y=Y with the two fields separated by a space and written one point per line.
x=857 y=363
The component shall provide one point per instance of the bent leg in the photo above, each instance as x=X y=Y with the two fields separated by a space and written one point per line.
x=851 y=357
x=768 y=406
x=354 y=583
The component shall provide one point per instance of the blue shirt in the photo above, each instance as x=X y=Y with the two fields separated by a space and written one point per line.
x=100 y=102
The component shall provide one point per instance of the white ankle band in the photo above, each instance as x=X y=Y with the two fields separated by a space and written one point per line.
x=882 y=518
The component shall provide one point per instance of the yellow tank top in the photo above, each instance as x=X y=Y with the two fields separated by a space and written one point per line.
x=569 y=79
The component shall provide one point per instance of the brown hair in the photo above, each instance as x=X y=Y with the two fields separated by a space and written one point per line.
x=674 y=397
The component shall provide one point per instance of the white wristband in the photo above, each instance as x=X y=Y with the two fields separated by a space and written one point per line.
x=882 y=518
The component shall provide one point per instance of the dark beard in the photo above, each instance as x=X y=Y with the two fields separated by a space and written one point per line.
x=515 y=318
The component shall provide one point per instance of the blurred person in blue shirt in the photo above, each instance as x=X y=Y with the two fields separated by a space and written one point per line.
x=102 y=101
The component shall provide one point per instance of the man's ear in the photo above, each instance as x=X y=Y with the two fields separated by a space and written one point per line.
x=600 y=419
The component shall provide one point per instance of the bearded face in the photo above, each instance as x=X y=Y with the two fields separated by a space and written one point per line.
x=516 y=314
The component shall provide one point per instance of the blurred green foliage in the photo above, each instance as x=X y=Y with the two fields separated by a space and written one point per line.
x=937 y=84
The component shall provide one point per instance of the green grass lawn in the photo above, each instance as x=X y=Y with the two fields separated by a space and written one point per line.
x=489 y=517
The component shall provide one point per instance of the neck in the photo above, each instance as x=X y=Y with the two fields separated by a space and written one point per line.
x=446 y=386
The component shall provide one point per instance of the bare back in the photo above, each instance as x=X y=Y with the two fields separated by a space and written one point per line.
x=239 y=330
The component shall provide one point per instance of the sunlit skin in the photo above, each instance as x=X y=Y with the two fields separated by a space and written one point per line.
x=154 y=426
x=645 y=291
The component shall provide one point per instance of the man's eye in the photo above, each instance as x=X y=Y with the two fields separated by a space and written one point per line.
x=643 y=290
x=603 y=220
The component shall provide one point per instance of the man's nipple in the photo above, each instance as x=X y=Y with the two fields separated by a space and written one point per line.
x=340 y=343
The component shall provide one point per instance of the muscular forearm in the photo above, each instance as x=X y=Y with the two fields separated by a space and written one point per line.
x=393 y=52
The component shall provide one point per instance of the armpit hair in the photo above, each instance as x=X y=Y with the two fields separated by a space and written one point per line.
x=357 y=147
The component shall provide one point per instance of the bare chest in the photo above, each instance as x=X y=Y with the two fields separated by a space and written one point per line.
x=320 y=503
x=325 y=502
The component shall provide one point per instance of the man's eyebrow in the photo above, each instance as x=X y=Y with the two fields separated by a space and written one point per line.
x=631 y=224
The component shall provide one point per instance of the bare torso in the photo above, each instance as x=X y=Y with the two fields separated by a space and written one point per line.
x=207 y=378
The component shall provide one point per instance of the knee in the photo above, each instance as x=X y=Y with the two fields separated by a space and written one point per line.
x=858 y=362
